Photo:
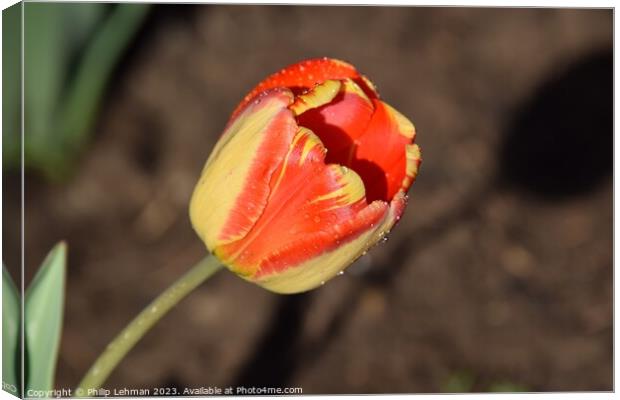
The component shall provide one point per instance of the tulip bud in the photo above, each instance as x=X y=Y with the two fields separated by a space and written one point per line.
x=312 y=170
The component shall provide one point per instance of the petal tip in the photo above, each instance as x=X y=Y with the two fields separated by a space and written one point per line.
x=320 y=95
x=414 y=159
x=404 y=125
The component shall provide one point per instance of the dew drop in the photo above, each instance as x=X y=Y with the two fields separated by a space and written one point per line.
x=317 y=219
x=322 y=283
x=340 y=273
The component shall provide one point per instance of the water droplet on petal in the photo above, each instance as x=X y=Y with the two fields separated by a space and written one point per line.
x=340 y=273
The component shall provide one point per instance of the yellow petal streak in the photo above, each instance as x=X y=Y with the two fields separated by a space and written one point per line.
x=405 y=127
x=224 y=175
x=320 y=95
x=311 y=142
x=350 y=191
x=414 y=157
x=351 y=87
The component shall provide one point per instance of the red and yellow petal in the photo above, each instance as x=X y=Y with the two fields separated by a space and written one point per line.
x=307 y=199
x=292 y=271
x=382 y=147
x=366 y=135
x=414 y=159
x=340 y=122
x=302 y=76
x=234 y=185
x=318 y=96
x=310 y=261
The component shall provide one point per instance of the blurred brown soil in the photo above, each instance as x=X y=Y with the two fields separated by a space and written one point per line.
x=485 y=273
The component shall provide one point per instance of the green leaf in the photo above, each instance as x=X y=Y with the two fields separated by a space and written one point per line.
x=45 y=63
x=11 y=85
x=79 y=107
x=70 y=52
x=43 y=313
x=61 y=104
x=81 y=21
x=11 y=311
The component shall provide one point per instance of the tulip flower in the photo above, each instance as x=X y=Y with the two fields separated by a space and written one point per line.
x=312 y=169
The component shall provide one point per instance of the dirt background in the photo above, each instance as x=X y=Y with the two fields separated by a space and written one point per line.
x=499 y=272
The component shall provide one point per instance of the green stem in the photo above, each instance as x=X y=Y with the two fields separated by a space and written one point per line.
x=128 y=337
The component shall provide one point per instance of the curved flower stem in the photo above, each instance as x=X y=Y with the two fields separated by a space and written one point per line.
x=140 y=325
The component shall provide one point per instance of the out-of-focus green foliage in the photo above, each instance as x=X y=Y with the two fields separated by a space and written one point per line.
x=507 y=387
x=459 y=382
x=11 y=86
x=43 y=313
x=11 y=317
x=70 y=51
x=464 y=382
